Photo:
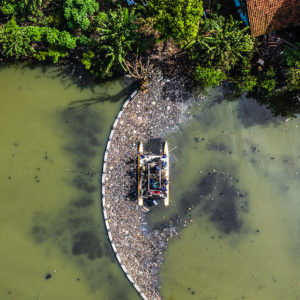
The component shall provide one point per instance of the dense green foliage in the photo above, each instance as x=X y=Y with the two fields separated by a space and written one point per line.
x=15 y=40
x=87 y=59
x=223 y=50
x=293 y=78
x=107 y=38
x=292 y=59
x=118 y=34
x=75 y=30
x=209 y=76
x=20 y=8
x=52 y=53
x=292 y=55
x=19 y=42
x=77 y=12
x=267 y=82
x=177 y=19
x=223 y=43
x=245 y=82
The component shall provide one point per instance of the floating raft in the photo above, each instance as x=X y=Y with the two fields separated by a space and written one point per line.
x=153 y=173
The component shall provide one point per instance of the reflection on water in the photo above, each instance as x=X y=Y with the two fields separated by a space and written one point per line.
x=236 y=177
x=53 y=242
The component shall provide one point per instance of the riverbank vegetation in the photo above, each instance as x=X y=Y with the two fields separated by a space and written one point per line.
x=109 y=38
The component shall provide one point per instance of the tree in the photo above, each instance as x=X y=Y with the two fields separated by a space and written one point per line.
x=292 y=60
x=77 y=12
x=245 y=83
x=54 y=37
x=21 y=9
x=209 y=76
x=267 y=82
x=291 y=55
x=223 y=50
x=177 y=19
x=293 y=78
x=223 y=43
x=14 y=40
x=118 y=34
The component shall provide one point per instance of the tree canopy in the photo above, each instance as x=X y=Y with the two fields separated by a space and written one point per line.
x=77 y=12
x=15 y=40
x=109 y=39
x=223 y=50
x=177 y=19
x=118 y=34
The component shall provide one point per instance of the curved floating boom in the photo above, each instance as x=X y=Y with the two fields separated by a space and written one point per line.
x=140 y=165
x=167 y=171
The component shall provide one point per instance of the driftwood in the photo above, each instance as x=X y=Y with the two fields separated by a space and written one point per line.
x=139 y=70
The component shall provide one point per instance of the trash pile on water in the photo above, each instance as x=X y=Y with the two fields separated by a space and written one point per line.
x=147 y=115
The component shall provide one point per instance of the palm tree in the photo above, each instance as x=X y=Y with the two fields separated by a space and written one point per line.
x=118 y=34
x=224 y=43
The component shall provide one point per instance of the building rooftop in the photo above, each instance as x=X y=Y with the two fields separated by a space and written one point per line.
x=271 y=15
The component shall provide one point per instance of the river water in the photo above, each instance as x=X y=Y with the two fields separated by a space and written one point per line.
x=235 y=177
x=52 y=237
x=236 y=173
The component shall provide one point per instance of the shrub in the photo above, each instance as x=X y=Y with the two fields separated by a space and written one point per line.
x=52 y=53
x=291 y=55
x=245 y=83
x=66 y=40
x=87 y=59
x=292 y=59
x=177 y=19
x=267 y=82
x=224 y=51
x=51 y=35
x=14 y=40
x=21 y=8
x=9 y=7
x=209 y=76
x=118 y=35
x=293 y=78
x=35 y=33
x=77 y=12
x=242 y=79
x=59 y=38
x=223 y=44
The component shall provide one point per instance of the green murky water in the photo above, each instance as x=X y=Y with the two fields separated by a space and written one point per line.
x=50 y=218
x=239 y=168
x=235 y=165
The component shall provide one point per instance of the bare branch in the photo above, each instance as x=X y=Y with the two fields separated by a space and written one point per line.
x=139 y=70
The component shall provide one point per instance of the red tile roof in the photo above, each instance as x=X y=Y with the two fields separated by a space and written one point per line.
x=271 y=15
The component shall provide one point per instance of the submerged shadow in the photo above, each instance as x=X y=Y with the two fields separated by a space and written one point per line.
x=220 y=199
x=215 y=195
x=251 y=113
x=75 y=75
x=282 y=104
x=77 y=227
x=70 y=74
x=85 y=103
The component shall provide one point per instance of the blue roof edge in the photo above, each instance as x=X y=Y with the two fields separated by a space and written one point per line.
x=242 y=11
